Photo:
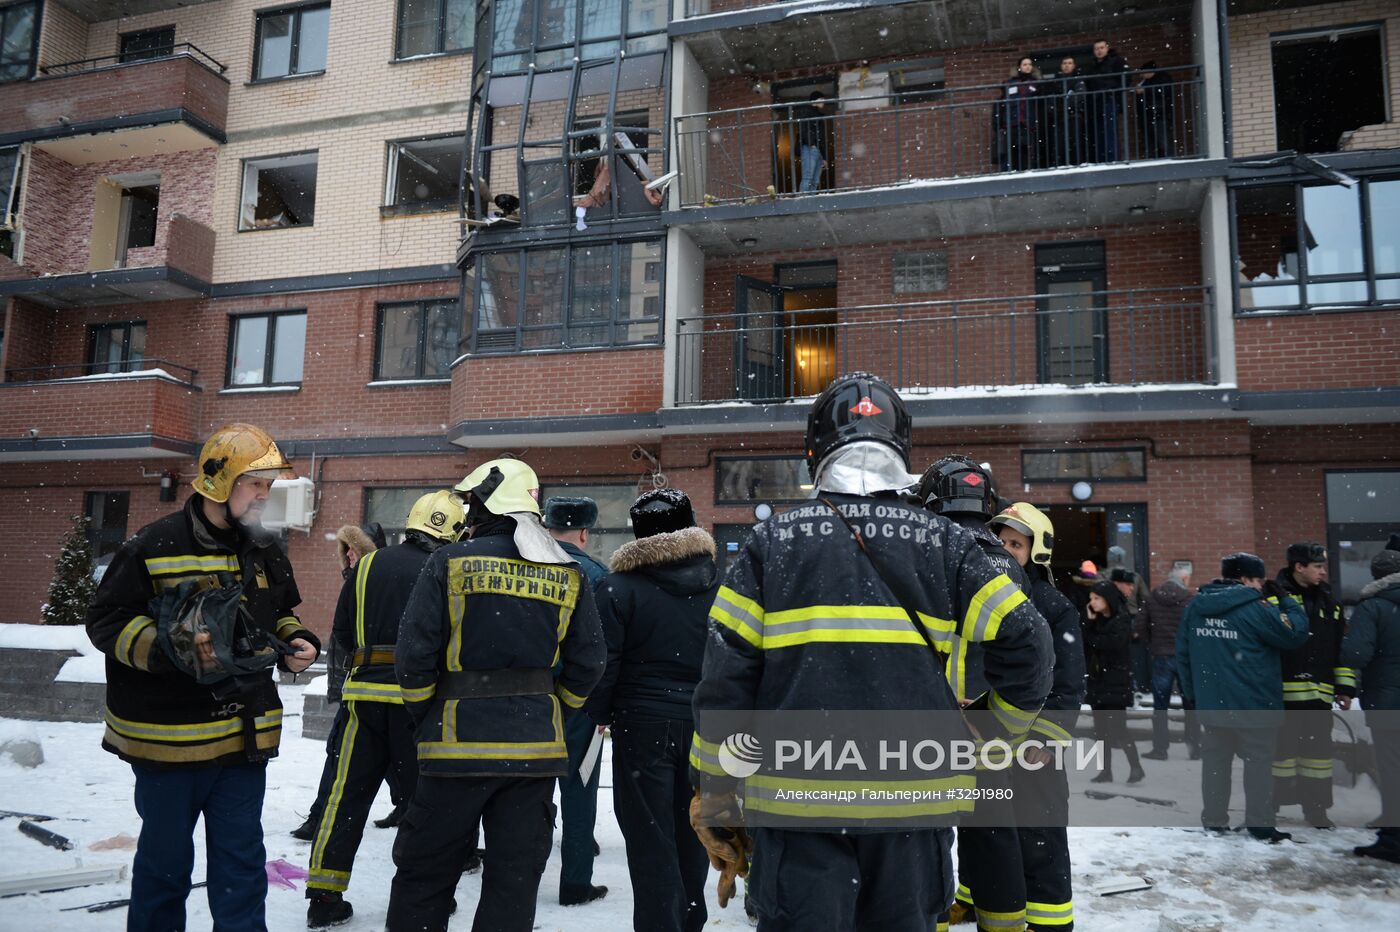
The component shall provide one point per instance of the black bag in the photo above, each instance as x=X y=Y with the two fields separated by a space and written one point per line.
x=208 y=634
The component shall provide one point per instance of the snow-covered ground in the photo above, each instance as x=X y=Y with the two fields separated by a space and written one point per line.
x=1316 y=884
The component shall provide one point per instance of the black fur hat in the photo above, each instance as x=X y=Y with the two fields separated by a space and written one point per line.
x=570 y=514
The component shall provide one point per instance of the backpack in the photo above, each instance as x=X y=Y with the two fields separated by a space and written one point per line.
x=208 y=634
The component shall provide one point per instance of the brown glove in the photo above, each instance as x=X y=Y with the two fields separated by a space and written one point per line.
x=725 y=840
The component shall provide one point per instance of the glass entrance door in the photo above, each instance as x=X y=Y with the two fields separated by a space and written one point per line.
x=761 y=362
x=1072 y=323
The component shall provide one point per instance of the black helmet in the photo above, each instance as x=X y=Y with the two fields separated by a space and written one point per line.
x=957 y=484
x=661 y=511
x=859 y=406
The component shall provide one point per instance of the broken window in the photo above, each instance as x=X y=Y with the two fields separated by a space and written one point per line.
x=9 y=199
x=1327 y=83
x=424 y=173
x=279 y=191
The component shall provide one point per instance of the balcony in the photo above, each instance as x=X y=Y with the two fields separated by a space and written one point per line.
x=937 y=350
x=101 y=109
x=69 y=413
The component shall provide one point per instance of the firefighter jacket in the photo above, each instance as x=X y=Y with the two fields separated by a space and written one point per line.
x=481 y=630
x=156 y=716
x=366 y=627
x=804 y=621
x=965 y=663
x=1313 y=672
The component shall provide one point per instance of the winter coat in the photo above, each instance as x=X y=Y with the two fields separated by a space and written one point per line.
x=1161 y=616
x=1312 y=672
x=480 y=608
x=594 y=570
x=156 y=716
x=1018 y=107
x=811 y=127
x=1106 y=74
x=805 y=621
x=1372 y=647
x=1227 y=652
x=1067 y=637
x=366 y=626
x=655 y=607
x=1108 y=654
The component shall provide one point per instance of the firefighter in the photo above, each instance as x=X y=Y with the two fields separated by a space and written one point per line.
x=378 y=735
x=816 y=613
x=200 y=750
x=989 y=852
x=1313 y=679
x=484 y=624
x=1042 y=796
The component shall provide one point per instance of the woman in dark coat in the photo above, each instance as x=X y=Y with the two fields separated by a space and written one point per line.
x=1018 y=119
x=1108 y=655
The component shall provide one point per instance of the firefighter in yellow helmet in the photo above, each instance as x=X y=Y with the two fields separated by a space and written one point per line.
x=199 y=747
x=486 y=621
x=377 y=737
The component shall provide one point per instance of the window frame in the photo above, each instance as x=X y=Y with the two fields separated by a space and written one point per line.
x=34 y=40
x=1070 y=480
x=92 y=365
x=294 y=52
x=422 y=305
x=630 y=42
x=749 y=503
x=1337 y=531
x=442 y=50
x=392 y=155
x=268 y=349
x=922 y=256
x=394 y=534
x=122 y=37
x=1367 y=276
x=243 y=167
x=1313 y=33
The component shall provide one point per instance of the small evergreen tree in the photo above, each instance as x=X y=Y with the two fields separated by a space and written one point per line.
x=72 y=588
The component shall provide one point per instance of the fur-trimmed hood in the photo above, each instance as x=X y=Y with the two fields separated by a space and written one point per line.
x=352 y=536
x=681 y=562
x=1376 y=586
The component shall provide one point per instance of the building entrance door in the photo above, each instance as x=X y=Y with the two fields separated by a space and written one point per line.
x=1071 y=317
x=1085 y=532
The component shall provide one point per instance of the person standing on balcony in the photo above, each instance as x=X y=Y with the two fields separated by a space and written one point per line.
x=1064 y=136
x=1018 y=119
x=1106 y=76
x=1156 y=108
x=813 y=125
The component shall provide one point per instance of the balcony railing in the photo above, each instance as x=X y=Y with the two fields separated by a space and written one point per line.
x=179 y=50
x=106 y=370
x=1082 y=338
x=756 y=153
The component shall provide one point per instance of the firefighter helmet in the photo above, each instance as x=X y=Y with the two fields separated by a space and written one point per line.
x=957 y=484
x=238 y=450
x=855 y=407
x=1025 y=518
x=439 y=515
x=503 y=486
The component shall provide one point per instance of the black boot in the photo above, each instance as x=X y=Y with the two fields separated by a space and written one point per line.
x=1135 y=771
x=1270 y=835
x=1105 y=775
x=327 y=909
x=1317 y=818
x=576 y=894
x=474 y=861
x=394 y=817
x=306 y=831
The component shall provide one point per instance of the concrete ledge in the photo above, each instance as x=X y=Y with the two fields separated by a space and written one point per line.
x=28 y=690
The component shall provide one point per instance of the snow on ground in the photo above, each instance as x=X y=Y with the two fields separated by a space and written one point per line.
x=1318 y=884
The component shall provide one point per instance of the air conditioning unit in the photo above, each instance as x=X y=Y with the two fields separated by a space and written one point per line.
x=291 y=504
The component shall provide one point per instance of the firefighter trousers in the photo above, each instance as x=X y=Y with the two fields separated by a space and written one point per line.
x=1303 y=757
x=1042 y=813
x=377 y=740
x=990 y=876
x=833 y=882
x=332 y=764
x=438 y=834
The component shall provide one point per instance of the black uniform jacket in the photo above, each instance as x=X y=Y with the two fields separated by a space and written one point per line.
x=655 y=607
x=367 y=618
x=157 y=716
x=479 y=606
x=1313 y=673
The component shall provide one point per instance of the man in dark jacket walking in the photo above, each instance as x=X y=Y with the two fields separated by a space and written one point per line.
x=655 y=608
x=1227 y=653
x=1157 y=625
x=200 y=750
x=1106 y=77
x=482 y=628
x=813 y=124
x=1312 y=679
x=1372 y=648
x=568 y=521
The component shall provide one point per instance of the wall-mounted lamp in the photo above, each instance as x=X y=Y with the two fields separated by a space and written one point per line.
x=1082 y=491
x=167 y=487
x=763 y=511
x=749 y=242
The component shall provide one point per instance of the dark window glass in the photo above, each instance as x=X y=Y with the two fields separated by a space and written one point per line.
x=279 y=192
x=430 y=27
x=266 y=349
x=1363 y=509
x=389 y=507
x=292 y=41
x=1105 y=465
x=148 y=43
x=545 y=280
x=1327 y=84
x=741 y=480
x=418 y=340
x=106 y=514
x=614 y=527
x=639 y=293
x=1266 y=222
x=116 y=347
x=552 y=33
x=17 y=45
x=425 y=172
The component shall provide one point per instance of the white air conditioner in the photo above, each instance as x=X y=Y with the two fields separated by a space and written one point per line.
x=863 y=89
x=291 y=504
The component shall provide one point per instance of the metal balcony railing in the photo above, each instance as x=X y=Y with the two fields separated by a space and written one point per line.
x=1151 y=336
x=757 y=153
x=179 y=50
x=182 y=374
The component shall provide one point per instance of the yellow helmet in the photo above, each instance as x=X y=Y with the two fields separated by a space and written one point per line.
x=503 y=486
x=236 y=450
x=438 y=514
x=1025 y=518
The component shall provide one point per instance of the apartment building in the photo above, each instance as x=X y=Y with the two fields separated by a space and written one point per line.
x=1158 y=296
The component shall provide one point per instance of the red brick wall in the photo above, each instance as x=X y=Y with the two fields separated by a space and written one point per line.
x=1348 y=350
x=557 y=384
x=94 y=409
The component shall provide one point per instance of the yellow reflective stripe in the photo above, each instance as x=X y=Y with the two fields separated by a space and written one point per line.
x=449 y=721
x=1315 y=767
x=881 y=624
x=1043 y=726
x=418 y=693
x=1307 y=691
x=957 y=667
x=141 y=650
x=964 y=894
x=1344 y=676
x=487 y=750
x=1012 y=718
x=286 y=625
x=456 y=613
x=337 y=793
x=989 y=606
x=127 y=639
x=1285 y=768
x=177 y=753
x=322 y=879
x=202 y=731
x=571 y=699
x=371 y=692
x=739 y=614
x=1049 y=914
x=704 y=756
x=166 y=566
x=1013 y=921
x=361 y=578
x=942 y=926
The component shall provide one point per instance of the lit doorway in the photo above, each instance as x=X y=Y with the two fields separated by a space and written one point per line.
x=787 y=331
x=790 y=102
x=1085 y=532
